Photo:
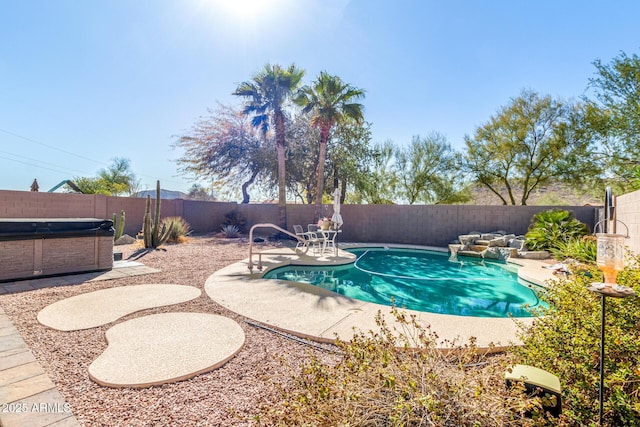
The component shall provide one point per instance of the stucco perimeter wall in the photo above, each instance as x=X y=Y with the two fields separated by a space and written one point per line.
x=434 y=225
x=628 y=211
x=203 y=217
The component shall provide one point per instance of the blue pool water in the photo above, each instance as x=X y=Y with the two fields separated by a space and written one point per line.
x=424 y=281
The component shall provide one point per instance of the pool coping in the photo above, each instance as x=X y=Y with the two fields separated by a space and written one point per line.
x=321 y=315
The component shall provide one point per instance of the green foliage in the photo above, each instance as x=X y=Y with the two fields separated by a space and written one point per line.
x=115 y=180
x=329 y=101
x=230 y=231
x=378 y=182
x=177 y=229
x=398 y=378
x=118 y=225
x=528 y=142
x=265 y=96
x=88 y=185
x=565 y=341
x=581 y=249
x=236 y=219
x=614 y=116
x=549 y=228
x=426 y=170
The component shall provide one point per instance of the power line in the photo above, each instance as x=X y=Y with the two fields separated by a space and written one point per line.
x=50 y=146
x=38 y=161
x=63 y=151
x=36 y=166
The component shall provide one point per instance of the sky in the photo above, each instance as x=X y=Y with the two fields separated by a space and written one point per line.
x=84 y=82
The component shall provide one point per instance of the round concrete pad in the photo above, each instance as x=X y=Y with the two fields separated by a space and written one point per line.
x=104 y=306
x=167 y=347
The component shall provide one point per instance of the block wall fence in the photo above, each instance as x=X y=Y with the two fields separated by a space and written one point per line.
x=432 y=225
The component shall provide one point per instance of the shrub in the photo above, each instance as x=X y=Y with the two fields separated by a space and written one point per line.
x=582 y=249
x=548 y=228
x=177 y=229
x=230 y=231
x=384 y=380
x=566 y=342
x=236 y=218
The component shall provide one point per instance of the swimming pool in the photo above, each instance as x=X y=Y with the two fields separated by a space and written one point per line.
x=425 y=281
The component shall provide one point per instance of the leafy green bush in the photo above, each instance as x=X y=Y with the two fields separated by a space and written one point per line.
x=566 y=342
x=177 y=229
x=236 y=218
x=386 y=380
x=582 y=249
x=549 y=228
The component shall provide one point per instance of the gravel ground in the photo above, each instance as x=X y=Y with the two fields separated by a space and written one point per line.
x=229 y=396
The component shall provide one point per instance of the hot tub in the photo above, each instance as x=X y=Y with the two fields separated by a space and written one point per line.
x=35 y=247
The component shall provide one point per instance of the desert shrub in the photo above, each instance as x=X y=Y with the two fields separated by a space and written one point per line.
x=381 y=380
x=230 y=231
x=566 y=342
x=236 y=218
x=177 y=229
x=549 y=228
x=582 y=249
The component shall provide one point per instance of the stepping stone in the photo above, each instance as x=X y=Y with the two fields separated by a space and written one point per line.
x=167 y=347
x=104 y=306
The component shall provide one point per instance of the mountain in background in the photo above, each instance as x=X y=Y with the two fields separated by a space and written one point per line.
x=553 y=194
x=164 y=194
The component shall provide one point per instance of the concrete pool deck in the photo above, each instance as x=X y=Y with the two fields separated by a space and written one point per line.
x=312 y=312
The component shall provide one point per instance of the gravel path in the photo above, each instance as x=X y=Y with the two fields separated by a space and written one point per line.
x=229 y=396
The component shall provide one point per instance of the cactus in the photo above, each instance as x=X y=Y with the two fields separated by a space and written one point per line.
x=118 y=225
x=154 y=232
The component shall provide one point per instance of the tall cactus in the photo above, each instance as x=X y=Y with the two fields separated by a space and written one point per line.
x=118 y=225
x=146 y=224
x=154 y=232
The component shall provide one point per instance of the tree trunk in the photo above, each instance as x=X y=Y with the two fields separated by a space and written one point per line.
x=245 y=193
x=324 y=136
x=280 y=146
x=343 y=191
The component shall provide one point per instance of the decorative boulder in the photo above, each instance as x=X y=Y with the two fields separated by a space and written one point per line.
x=498 y=241
x=125 y=239
x=468 y=239
x=491 y=253
x=518 y=244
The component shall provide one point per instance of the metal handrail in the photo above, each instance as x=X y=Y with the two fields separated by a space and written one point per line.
x=268 y=225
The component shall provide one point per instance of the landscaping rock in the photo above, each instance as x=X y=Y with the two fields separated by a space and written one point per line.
x=468 y=239
x=518 y=244
x=125 y=239
x=498 y=241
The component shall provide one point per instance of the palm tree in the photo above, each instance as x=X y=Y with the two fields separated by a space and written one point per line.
x=330 y=101
x=265 y=96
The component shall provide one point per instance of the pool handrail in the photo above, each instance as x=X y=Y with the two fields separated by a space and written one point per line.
x=268 y=225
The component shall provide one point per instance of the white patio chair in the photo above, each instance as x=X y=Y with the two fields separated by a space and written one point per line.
x=307 y=239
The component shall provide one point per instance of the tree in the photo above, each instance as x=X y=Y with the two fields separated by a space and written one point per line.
x=615 y=115
x=426 y=170
x=377 y=185
x=302 y=156
x=348 y=155
x=115 y=180
x=528 y=142
x=329 y=101
x=225 y=148
x=198 y=192
x=265 y=96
